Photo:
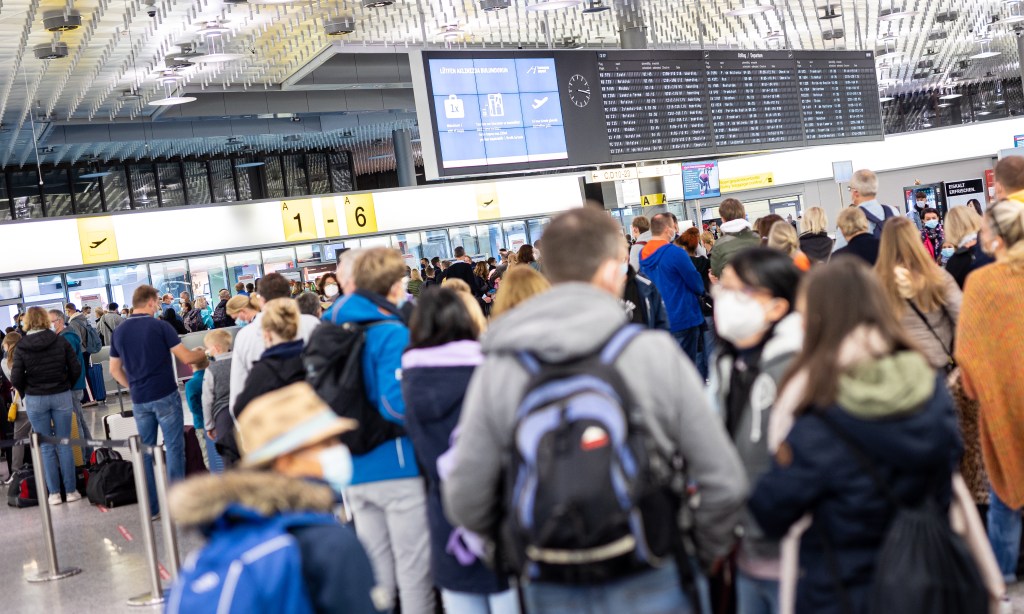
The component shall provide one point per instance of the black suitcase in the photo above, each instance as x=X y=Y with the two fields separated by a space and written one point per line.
x=22 y=490
x=112 y=484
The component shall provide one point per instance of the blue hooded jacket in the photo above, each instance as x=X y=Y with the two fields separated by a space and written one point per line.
x=673 y=273
x=72 y=337
x=382 y=366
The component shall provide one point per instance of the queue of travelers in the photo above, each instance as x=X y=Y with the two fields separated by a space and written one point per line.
x=749 y=417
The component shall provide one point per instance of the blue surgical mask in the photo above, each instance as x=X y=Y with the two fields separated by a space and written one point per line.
x=932 y=224
x=336 y=464
x=947 y=253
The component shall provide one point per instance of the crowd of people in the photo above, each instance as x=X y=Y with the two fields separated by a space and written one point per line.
x=735 y=417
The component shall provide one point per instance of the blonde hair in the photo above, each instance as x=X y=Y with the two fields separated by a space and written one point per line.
x=414 y=275
x=201 y=302
x=707 y=238
x=852 y=222
x=960 y=222
x=36 y=318
x=906 y=271
x=281 y=317
x=782 y=236
x=814 y=221
x=10 y=341
x=219 y=338
x=239 y=302
x=518 y=285
x=457 y=285
x=377 y=269
x=1006 y=220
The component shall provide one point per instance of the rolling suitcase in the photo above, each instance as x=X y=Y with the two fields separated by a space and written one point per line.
x=95 y=383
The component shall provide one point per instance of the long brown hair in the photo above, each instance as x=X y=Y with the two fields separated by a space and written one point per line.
x=901 y=246
x=830 y=316
x=10 y=341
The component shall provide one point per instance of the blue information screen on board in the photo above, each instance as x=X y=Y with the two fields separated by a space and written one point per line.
x=497 y=111
x=700 y=180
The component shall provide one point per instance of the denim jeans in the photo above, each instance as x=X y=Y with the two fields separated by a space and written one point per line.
x=473 y=603
x=1004 y=526
x=651 y=592
x=756 y=596
x=687 y=340
x=214 y=462
x=50 y=415
x=167 y=414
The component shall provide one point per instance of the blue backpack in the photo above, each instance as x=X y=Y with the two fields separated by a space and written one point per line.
x=252 y=566
x=588 y=497
x=887 y=213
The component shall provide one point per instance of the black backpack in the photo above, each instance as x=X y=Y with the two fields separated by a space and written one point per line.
x=194 y=321
x=923 y=567
x=887 y=214
x=334 y=368
x=21 y=492
x=111 y=480
x=221 y=319
x=589 y=496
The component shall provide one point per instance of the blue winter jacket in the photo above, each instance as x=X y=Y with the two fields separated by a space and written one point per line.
x=382 y=368
x=672 y=271
x=72 y=337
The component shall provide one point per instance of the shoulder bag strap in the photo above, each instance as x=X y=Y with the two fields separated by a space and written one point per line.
x=948 y=351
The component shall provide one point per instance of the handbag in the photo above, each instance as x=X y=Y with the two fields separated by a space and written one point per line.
x=12 y=413
x=972 y=464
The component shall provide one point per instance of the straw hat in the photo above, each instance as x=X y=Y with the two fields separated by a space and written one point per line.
x=284 y=421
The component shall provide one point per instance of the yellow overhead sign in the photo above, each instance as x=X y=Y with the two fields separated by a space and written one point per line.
x=332 y=226
x=360 y=214
x=487 y=205
x=297 y=218
x=97 y=238
x=750 y=182
x=652 y=200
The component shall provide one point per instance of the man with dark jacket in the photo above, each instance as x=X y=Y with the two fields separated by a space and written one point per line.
x=106 y=324
x=860 y=242
x=737 y=236
x=71 y=336
x=673 y=273
x=462 y=268
x=221 y=318
x=584 y=258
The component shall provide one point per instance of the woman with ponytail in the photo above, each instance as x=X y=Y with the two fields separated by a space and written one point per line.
x=989 y=351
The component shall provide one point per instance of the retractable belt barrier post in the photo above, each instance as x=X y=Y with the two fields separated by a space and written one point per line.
x=54 y=572
x=170 y=537
x=155 y=596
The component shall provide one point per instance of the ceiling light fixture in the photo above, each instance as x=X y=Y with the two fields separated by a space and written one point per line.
x=985 y=51
x=214 y=29
x=57 y=21
x=495 y=5
x=50 y=51
x=750 y=9
x=339 y=26
x=377 y=4
x=596 y=6
x=828 y=12
x=552 y=5
x=217 y=58
x=895 y=13
x=171 y=101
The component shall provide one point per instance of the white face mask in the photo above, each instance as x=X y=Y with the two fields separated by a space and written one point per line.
x=738 y=316
x=336 y=465
x=331 y=290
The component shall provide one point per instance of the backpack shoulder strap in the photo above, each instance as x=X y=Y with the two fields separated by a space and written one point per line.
x=863 y=459
x=874 y=219
x=888 y=212
x=618 y=342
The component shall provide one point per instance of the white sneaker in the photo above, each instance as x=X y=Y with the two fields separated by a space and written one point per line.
x=54 y=499
x=74 y=496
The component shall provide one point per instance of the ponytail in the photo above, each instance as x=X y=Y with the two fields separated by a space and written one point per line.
x=1007 y=220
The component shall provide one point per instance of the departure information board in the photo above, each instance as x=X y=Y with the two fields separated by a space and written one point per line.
x=509 y=111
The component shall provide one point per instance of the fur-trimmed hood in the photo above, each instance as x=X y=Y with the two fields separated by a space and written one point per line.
x=200 y=501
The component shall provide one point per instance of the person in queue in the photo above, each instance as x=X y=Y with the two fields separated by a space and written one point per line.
x=240 y=289
x=857 y=384
x=309 y=304
x=690 y=241
x=250 y=341
x=988 y=348
x=387 y=497
x=170 y=315
x=205 y=312
x=643 y=302
x=110 y=320
x=863 y=189
x=141 y=361
x=243 y=309
x=763 y=226
x=292 y=473
x=962 y=227
x=708 y=241
x=250 y=288
x=328 y=288
x=44 y=372
x=640 y=231
x=58 y=325
x=526 y=256
x=461 y=267
x=737 y=235
x=415 y=285
x=217 y=420
x=853 y=225
x=280 y=363
x=194 y=399
x=442 y=354
x=759 y=334
x=220 y=316
x=517 y=286
x=1009 y=179
x=22 y=426
x=679 y=283
x=923 y=297
x=814 y=239
x=782 y=236
x=585 y=258
x=932 y=235
x=346 y=280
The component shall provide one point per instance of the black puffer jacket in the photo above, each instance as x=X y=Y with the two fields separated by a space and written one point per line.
x=817 y=246
x=44 y=363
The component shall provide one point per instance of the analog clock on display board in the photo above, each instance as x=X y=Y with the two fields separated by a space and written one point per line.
x=579 y=91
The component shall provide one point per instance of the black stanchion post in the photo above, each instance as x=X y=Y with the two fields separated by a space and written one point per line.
x=155 y=596
x=170 y=537
x=54 y=572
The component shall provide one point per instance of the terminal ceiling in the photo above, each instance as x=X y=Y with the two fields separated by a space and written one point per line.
x=286 y=84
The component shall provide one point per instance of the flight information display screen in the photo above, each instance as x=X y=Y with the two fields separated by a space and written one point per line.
x=508 y=111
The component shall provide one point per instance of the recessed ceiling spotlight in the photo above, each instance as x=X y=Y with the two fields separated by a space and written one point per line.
x=596 y=6
x=57 y=21
x=552 y=5
x=339 y=26
x=750 y=9
x=50 y=51
x=495 y=5
x=171 y=101
x=377 y=4
x=828 y=12
x=947 y=16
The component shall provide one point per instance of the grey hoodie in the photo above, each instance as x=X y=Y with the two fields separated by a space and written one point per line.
x=570 y=321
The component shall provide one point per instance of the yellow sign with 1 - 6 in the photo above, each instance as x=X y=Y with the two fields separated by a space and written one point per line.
x=332 y=225
x=360 y=215
x=97 y=239
x=298 y=221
